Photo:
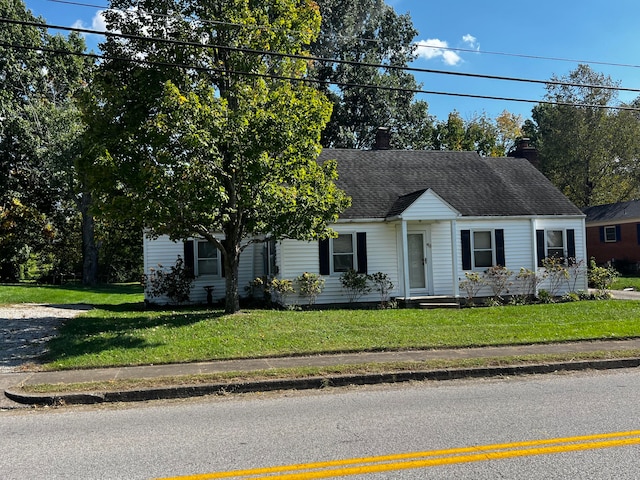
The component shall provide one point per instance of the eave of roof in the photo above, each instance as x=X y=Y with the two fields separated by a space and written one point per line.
x=619 y=212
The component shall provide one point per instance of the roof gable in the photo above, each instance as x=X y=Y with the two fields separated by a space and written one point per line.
x=426 y=202
x=385 y=183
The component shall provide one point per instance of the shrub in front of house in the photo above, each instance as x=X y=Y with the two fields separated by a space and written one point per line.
x=383 y=285
x=355 y=284
x=310 y=285
x=174 y=283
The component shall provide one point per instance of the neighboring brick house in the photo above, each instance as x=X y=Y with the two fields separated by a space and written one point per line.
x=613 y=234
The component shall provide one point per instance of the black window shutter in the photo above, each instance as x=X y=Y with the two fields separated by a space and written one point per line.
x=189 y=260
x=500 y=260
x=638 y=232
x=465 y=240
x=361 y=245
x=323 y=249
x=601 y=229
x=571 y=243
x=540 y=246
x=618 y=234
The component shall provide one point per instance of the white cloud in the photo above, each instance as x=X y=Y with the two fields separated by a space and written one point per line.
x=97 y=23
x=435 y=48
x=471 y=41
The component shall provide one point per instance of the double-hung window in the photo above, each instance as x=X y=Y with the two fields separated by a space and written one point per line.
x=555 y=243
x=610 y=234
x=483 y=251
x=343 y=253
x=208 y=259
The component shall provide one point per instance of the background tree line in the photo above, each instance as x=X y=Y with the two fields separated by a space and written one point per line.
x=63 y=207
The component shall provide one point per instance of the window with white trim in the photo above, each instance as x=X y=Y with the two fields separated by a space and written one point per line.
x=483 y=248
x=207 y=259
x=610 y=234
x=555 y=243
x=343 y=253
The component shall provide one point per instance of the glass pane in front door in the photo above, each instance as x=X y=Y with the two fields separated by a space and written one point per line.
x=415 y=243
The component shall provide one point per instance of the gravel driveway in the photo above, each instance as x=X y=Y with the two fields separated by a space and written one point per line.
x=25 y=330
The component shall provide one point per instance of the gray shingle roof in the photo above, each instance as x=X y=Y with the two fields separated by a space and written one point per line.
x=613 y=212
x=384 y=183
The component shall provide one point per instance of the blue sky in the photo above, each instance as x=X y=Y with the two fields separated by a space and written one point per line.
x=582 y=30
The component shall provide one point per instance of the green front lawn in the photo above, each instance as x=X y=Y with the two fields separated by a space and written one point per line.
x=626 y=282
x=119 y=331
x=112 y=336
x=72 y=293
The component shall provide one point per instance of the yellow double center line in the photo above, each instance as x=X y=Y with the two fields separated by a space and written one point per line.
x=433 y=458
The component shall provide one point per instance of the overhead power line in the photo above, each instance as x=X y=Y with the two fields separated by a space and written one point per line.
x=311 y=80
x=523 y=55
x=418 y=44
x=320 y=59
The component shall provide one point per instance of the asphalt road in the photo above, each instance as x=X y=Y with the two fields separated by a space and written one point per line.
x=178 y=438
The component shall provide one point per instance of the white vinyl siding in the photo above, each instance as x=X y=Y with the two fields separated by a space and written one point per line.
x=384 y=253
x=577 y=225
x=163 y=251
x=441 y=259
x=298 y=257
x=518 y=244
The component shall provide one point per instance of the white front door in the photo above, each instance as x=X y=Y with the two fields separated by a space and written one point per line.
x=417 y=263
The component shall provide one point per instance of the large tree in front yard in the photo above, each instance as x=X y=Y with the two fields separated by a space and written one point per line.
x=204 y=139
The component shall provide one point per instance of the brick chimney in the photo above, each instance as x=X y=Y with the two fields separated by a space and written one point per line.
x=525 y=150
x=383 y=139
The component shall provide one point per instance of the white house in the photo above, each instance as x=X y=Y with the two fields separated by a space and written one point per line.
x=424 y=218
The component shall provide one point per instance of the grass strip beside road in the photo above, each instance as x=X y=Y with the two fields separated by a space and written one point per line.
x=113 y=336
x=231 y=378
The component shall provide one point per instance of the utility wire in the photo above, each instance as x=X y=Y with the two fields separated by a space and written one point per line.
x=522 y=55
x=418 y=44
x=321 y=59
x=311 y=80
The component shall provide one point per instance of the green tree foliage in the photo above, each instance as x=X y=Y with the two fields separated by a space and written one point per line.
x=39 y=131
x=589 y=153
x=490 y=138
x=222 y=149
x=369 y=31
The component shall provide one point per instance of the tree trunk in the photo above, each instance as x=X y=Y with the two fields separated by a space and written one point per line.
x=232 y=297
x=89 y=249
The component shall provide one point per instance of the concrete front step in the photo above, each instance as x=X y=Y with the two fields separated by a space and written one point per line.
x=428 y=302
x=429 y=305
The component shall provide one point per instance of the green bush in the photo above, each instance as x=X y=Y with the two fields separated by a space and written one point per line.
x=310 y=285
x=471 y=285
x=383 y=285
x=175 y=283
x=601 y=277
x=355 y=284
x=498 y=278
